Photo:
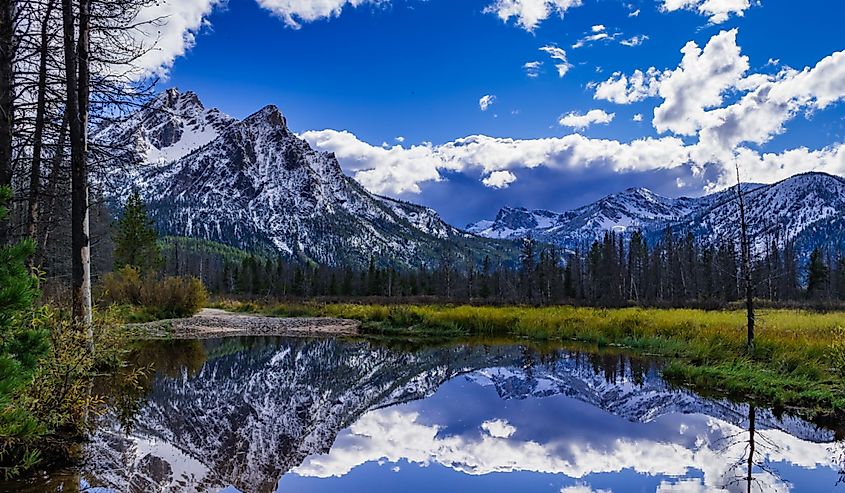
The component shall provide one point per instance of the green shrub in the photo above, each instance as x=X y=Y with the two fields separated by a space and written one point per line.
x=159 y=297
x=22 y=343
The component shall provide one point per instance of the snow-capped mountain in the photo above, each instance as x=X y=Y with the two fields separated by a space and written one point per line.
x=254 y=184
x=634 y=208
x=808 y=208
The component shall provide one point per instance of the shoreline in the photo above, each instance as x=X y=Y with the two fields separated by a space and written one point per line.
x=792 y=368
x=211 y=323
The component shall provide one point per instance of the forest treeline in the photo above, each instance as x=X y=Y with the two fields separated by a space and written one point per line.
x=617 y=270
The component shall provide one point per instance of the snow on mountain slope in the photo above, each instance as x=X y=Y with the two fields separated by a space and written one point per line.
x=634 y=208
x=172 y=126
x=254 y=184
x=423 y=218
x=782 y=211
x=789 y=210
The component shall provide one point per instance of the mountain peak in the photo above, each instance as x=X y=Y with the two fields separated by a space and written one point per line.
x=171 y=126
x=254 y=184
x=270 y=114
x=641 y=191
x=173 y=99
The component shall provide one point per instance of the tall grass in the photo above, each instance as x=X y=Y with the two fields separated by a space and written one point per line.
x=798 y=357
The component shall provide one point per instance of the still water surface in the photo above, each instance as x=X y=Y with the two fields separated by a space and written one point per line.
x=294 y=415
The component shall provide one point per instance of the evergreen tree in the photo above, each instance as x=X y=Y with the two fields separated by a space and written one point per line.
x=136 y=240
x=526 y=260
x=484 y=291
x=818 y=275
x=20 y=344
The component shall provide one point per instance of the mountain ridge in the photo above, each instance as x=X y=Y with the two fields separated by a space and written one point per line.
x=254 y=184
x=793 y=209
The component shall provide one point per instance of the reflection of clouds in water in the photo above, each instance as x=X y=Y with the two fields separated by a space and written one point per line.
x=496 y=445
x=581 y=488
x=498 y=428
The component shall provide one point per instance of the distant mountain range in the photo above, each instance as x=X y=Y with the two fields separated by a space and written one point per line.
x=808 y=209
x=256 y=185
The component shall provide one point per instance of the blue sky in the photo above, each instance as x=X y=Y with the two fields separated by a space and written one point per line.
x=393 y=87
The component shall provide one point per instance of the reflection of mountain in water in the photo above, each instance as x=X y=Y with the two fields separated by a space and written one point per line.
x=251 y=415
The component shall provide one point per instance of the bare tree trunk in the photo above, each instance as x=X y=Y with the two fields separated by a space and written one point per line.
x=53 y=184
x=76 y=58
x=7 y=98
x=746 y=264
x=40 y=122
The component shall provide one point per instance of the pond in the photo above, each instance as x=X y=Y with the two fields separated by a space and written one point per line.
x=333 y=415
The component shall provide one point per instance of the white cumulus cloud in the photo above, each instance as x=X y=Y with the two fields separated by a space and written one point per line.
x=486 y=101
x=558 y=54
x=398 y=170
x=530 y=13
x=623 y=89
x=711 y=109
x=393 y=170
x=532 y=69
x=295 y=12
x=583 y=120
x=712 y=97
x=169 y=28
x=634 y=40
x=699 y=83
x=498 y=179
x=581 y=488
x=718 y=11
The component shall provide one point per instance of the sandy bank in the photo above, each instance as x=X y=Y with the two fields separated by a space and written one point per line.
x=211 y=323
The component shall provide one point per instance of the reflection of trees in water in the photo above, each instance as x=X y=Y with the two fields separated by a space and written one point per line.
x=614 y=366
x=756 y=447
x=170 y=358
x=127 y=388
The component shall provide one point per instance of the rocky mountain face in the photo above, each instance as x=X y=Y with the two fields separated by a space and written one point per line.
x=807 y=208
x=257 y=408
x=254 y=184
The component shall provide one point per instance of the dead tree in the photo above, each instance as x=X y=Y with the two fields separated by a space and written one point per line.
x=745 y=246
x=76 y=50
x=40 y=123
x=7 y=98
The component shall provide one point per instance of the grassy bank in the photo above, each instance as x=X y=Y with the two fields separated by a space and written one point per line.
x=799 y=359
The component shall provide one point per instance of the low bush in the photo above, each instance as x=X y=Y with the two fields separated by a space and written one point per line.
x=157 y=297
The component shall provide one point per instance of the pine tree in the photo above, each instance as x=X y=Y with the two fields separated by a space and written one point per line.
x=136 y=240
x=526 y=260
x=818 y=275
x=485 y=278
x=20 y=345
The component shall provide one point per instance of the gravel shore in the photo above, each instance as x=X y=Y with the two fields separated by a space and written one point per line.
x=212 y=323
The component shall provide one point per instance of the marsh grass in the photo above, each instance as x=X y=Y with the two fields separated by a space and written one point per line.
x=799 y=359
